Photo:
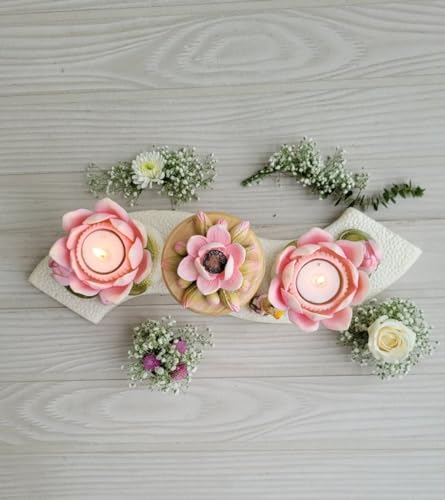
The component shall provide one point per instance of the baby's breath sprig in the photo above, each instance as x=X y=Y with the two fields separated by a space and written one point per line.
x=180 y=174
x=329 y=178
x=164 y=355
x=391 y=337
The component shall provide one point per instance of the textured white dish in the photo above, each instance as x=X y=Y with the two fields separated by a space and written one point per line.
x=399 y=256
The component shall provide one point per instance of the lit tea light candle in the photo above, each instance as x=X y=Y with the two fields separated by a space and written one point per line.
x=318 y=281
x=103 y=251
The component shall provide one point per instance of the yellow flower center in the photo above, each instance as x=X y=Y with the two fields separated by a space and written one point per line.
x=149 y=168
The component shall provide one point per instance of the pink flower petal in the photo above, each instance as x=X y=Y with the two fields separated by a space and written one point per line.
x=219 y=234
x=126 y=278
x=304 y=250
x=354 y=274
x=95 y=218
x=202 y=271
x=354 y=250
x=144 y=268
x=186 y=269
x=316 y=316
x=140 y=228
x=62 y=271
x=376 y=249
x=74 y=236
x=62 y=280
x=78 y=286
x=292 y=302
x=238 y=253
x=136 y=253
x=283 y=259
x=362 y=288
x=334 y=247
x=80 y=273
x=233 y=283
x=274 y=294
x=210 y=246
x=230 y=267
x=287 y=276
x=314 y=236
x=345 y=303
x=195 y=243
x=115 y=294
x=340 y=321
x=74 y=218
x=222 y=222
x=59 y=252
x=123 y=228
x=111 y=207
x=207 y=287
x=97 y=285
x=303 y=322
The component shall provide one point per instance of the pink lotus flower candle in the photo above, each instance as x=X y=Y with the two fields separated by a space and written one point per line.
x=213 y=263
x=103 y=254
x=318 y=280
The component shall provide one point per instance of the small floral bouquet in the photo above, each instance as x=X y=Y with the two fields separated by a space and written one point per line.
x=329 y=178
x=390 y=336
x=180 y=174
x=164 y=355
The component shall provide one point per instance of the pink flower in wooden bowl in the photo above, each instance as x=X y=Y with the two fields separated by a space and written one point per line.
x=213 y=260
x=103 y=253
x=317 y=280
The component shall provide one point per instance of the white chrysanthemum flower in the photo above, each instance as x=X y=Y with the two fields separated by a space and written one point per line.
x=147 y=169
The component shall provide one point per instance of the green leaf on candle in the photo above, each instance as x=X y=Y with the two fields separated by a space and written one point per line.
x=354 y=235
x=152 y=247
x=139 y=288
x=79 y=294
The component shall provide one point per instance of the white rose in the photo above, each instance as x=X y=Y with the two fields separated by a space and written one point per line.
x=390 y=340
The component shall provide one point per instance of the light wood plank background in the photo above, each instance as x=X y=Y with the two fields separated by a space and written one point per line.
x=273 y=413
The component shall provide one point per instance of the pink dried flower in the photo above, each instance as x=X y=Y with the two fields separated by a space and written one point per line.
x=181 y=346
x=151 y=362
x=179 y=373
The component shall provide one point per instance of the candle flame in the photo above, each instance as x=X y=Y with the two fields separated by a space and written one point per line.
x=319 y=281
x=100 y=253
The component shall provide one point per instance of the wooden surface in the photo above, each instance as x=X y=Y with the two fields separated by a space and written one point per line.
x=273 y=413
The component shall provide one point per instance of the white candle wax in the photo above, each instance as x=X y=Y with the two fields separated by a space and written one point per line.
x=318 y=281
x=103 y=251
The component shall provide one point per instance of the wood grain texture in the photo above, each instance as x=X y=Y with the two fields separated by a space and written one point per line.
x=126 y=49
x=250 y=475
x=273 y=413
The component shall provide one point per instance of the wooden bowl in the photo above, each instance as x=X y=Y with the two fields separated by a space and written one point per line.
x=170 y=261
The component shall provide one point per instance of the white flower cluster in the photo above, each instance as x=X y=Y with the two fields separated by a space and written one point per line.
x=304 y=162
x=185 y=173
x=168 y=367
x=180 y=174
x=116 y=180
x=390 y=336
